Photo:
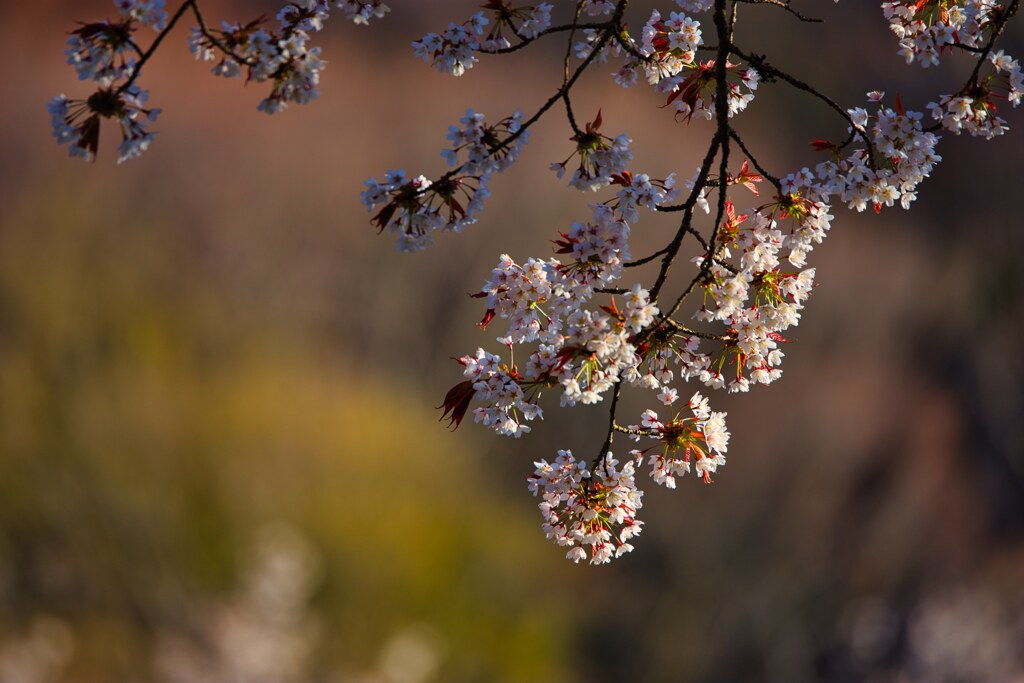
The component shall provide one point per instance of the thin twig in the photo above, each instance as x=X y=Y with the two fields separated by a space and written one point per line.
x=767 y=70
x=784 y=5
x=137 y=69
x=684 y=225
x=554 y=29
x=646 y=259
x=559 y=94
x=772 y=179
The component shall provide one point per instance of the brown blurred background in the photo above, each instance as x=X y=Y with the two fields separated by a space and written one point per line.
x=219 y=456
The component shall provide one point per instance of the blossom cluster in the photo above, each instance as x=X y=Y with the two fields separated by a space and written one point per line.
x=700 y=436
x=601 y=158
x=757 y=298
x=926 y=29
x=753 y=270
x=974 y=111
x=146 y=12
x=898 y=154
x=77 y=122
x=582 y=349
x=107 y=53
x=666 y=56
x=361 y=11
x=570 y=323
x=453 y=50
x=695 y=92
x=414 y=209
x=281 y=55
x=641 y=191
x=588 y=511
x=669 y=46
x=525 y=23
x=488 y=149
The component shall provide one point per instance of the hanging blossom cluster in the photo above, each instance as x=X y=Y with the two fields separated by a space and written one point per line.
x=666 y=56
x=898 y=153
x=76 y=123
x=586 y=511
x=523 y=23
x=108 y=53
x=453 y=51
x=601 y=158
x=583 y=323
x=105 y=52
x=696 y=434
x=752 y=276
x=926 y=30
x=278 y=54
x=974 y=111
x=414 y=209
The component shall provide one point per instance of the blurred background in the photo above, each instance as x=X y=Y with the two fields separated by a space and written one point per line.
x=220 y=459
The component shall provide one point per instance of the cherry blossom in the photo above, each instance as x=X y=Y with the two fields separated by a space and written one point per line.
x=76 y=123
x=585 y=321
x=146 y=12
x=600 y=157
x=591 y=513
x=452 y=51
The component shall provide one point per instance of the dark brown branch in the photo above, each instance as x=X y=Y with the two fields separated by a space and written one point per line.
x=565 y=75
x=646 y=259
x=611 y=425
x=694 y=333
x=772 y=179
x=723 y=27
x=983 y=54
x=554 y=29
x=786 y=6
x=684 y=225
x=769 y=72
x=208 y=34
x=998 y=31
x=137 y=69
x=561 y=93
